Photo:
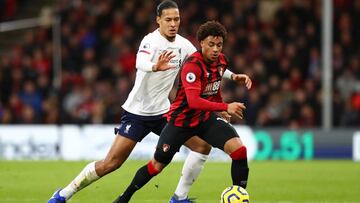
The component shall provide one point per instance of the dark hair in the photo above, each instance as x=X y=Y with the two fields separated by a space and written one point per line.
x=211 y=28
x=165 y=5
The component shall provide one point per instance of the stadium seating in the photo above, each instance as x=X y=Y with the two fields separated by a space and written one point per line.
x=279 y=49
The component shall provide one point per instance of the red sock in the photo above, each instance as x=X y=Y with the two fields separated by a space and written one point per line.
x=151 y=169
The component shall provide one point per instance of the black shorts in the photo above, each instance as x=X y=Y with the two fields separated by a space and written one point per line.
x=216 y=131
x=137 y=127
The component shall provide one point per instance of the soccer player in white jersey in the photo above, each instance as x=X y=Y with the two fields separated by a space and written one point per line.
x=158 y=61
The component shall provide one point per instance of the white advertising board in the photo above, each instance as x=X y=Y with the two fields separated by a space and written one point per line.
x=356 y=146
x=88 y=142
x=19 y=142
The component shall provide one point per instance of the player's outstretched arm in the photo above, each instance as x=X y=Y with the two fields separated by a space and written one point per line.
x=163 y=62
x=242 y=79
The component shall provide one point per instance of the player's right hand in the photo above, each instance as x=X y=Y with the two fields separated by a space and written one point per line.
x=236 y=109
x=163 y=62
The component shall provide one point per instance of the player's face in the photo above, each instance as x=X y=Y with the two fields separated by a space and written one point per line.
x=211 y=47
x=169 y=22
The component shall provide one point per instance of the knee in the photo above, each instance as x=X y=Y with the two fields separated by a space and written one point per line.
x=161 y=158
x=239 y=153
x=155 y=167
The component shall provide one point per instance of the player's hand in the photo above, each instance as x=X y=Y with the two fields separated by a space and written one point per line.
x=242 y=79
x=163 y=62
x=236 y=109
x=225 y=115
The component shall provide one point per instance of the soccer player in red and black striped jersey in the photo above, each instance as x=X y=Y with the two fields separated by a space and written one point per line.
x=193 y=112
x=199 y=77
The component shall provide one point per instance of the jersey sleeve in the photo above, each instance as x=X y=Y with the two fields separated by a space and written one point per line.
x=145 y=55
x=191 y=79
x=191 y=76
x=228 y=73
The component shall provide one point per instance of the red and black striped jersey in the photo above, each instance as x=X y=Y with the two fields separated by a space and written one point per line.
x=198 y=91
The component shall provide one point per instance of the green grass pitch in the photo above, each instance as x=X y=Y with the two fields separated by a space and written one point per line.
x=269 y=182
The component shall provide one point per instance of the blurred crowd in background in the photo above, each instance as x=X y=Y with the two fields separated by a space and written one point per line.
x=277 y=43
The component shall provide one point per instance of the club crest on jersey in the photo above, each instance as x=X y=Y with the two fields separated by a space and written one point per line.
x=221 y=70
x=190 y=77
x=166 y=147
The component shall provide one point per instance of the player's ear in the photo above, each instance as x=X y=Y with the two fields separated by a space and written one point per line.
x=202 y=43
x=158 y=20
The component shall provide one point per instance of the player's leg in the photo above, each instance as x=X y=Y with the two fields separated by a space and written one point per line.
x=142 y=176
x=239 y=165
x=219 y=133
x=118 y=153
x=170 y=141
x=192 y=167
x=130 y=132
x=193 y=164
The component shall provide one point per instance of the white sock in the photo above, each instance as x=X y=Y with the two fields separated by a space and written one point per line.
x=86 y=177
x=193 y=165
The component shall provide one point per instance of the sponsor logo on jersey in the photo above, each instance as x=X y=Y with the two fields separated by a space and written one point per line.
x=176 y=61
x=212 y=88
x=190 y=77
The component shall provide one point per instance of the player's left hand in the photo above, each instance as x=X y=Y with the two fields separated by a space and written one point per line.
x=242 y=79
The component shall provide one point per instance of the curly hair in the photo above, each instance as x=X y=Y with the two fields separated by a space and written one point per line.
x=211 y=28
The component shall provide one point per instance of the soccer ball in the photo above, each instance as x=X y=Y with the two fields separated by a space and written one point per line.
x=234 y=194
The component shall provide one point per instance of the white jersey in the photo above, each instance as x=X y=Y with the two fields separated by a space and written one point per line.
x=149 y=96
